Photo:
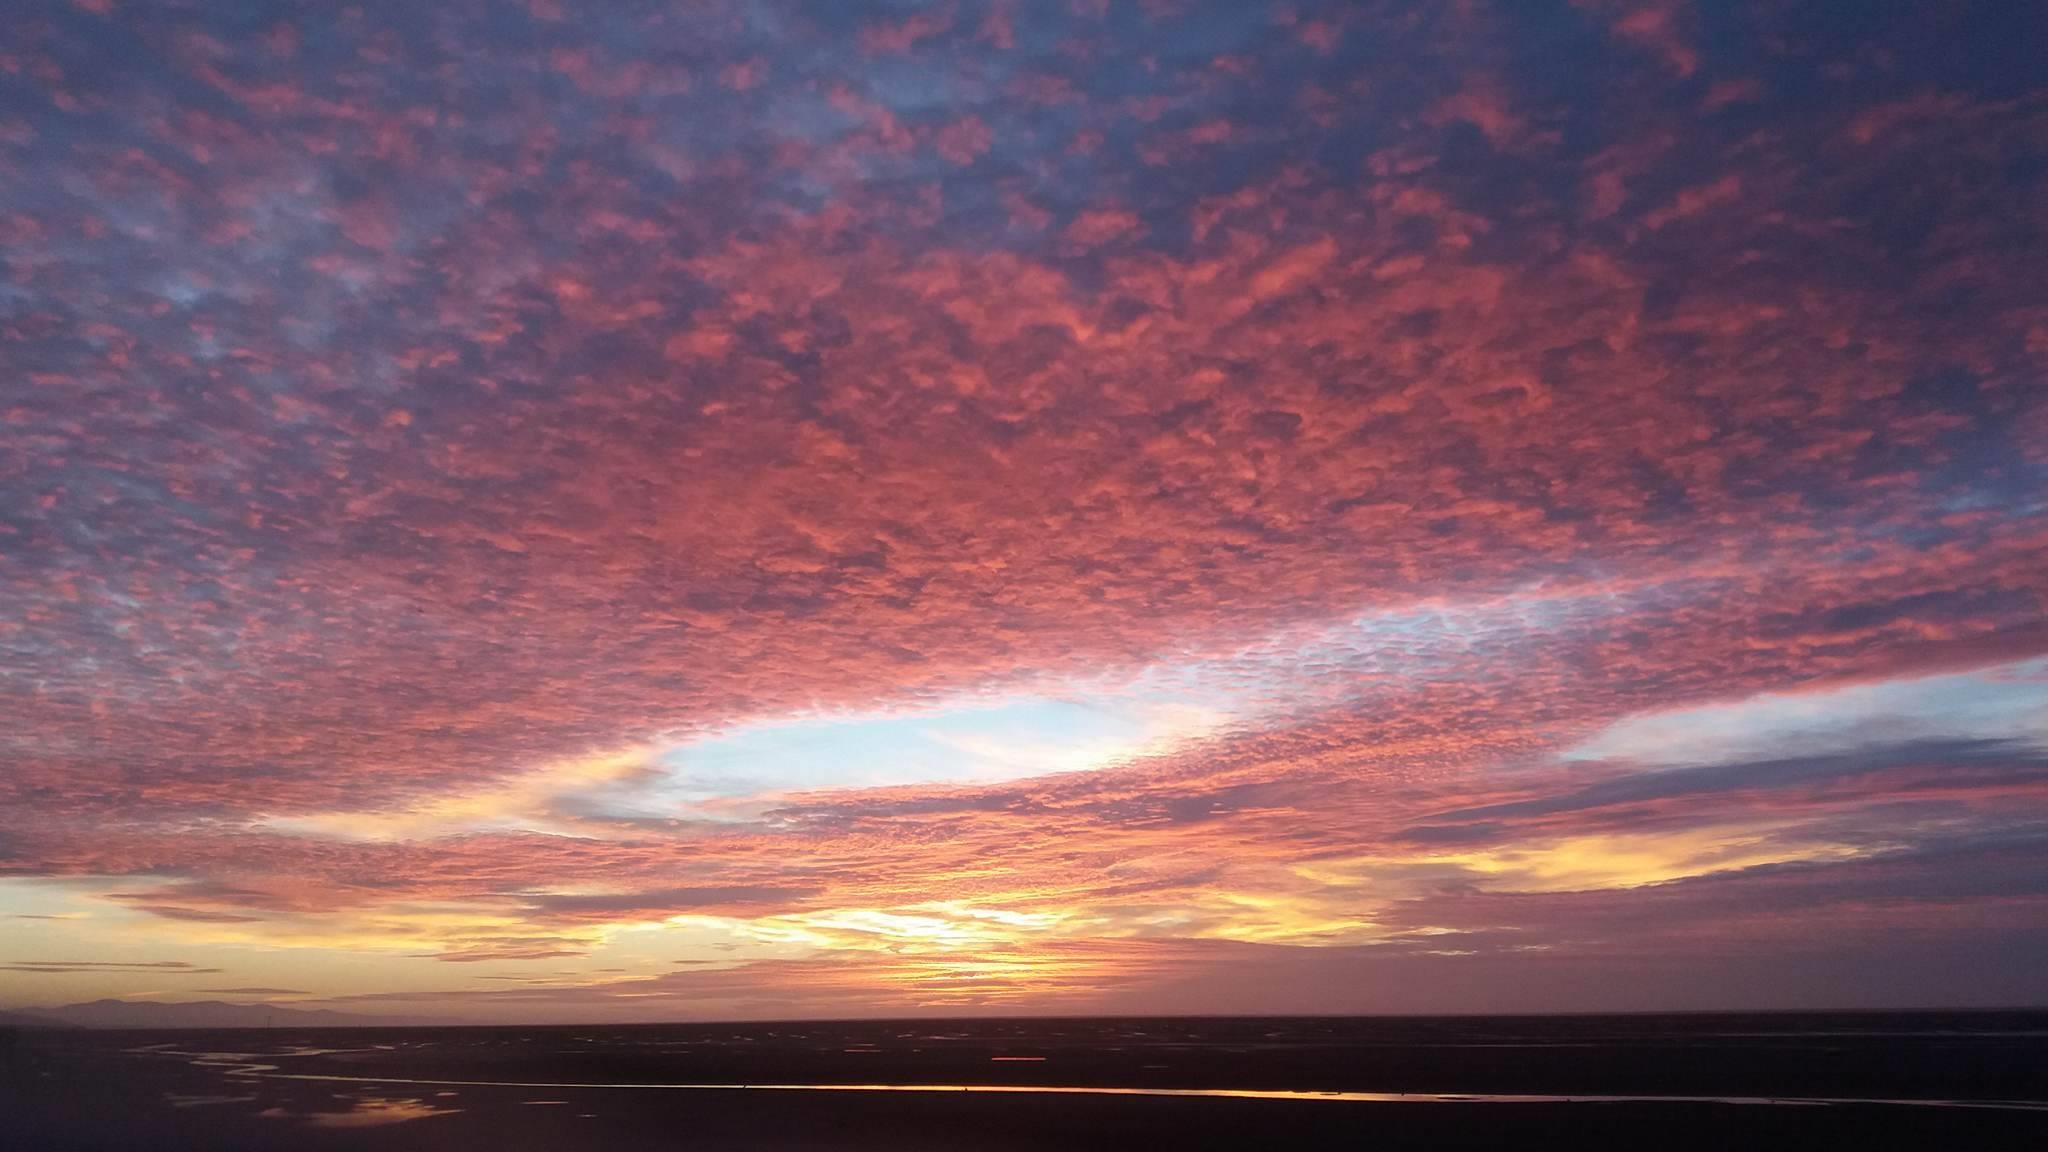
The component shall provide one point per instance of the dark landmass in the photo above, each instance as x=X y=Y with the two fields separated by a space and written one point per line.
x=1946 y=1080
x=30 y=1020
x=193 y=1014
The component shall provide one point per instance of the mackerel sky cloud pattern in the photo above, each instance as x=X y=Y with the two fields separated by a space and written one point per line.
x=642 y=511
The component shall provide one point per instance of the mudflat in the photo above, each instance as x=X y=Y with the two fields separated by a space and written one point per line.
x=1959 y=1079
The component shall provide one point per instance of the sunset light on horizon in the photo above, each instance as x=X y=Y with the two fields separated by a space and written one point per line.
x=604 y=512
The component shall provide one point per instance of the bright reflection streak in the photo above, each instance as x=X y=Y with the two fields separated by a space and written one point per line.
x=1213 y=1093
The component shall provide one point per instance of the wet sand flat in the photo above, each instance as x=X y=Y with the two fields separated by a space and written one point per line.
x=1975 y=1080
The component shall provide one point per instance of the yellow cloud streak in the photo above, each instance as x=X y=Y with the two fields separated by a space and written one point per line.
x=525 y=800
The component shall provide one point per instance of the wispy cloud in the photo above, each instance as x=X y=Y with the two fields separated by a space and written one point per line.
x=68 y=967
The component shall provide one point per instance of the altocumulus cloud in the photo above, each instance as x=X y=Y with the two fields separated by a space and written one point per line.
x=435 y=432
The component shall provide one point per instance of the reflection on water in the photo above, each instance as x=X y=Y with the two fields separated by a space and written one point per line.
x=177 y=1100
x=366 y=1112
x=1731 y=1059
x=1211 y=1093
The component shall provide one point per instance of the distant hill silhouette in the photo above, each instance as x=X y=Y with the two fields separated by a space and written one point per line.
x=30 y=1020
x=197 y=1014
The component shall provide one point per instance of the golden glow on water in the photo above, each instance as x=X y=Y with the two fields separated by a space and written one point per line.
x=367 y=1112
x=1209 y=1093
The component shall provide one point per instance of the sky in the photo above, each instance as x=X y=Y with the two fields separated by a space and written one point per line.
x=622 y=511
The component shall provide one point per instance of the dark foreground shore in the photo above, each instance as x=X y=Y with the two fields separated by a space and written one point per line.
x=1920 y=1081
